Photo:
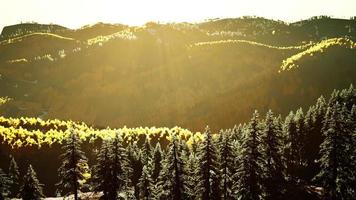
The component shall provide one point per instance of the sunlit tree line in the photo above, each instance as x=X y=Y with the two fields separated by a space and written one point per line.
x=267 y=158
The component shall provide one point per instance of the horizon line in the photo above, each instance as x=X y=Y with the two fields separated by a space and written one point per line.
x=177 y=21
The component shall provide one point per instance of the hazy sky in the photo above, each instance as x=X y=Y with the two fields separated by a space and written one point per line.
x=76 y=13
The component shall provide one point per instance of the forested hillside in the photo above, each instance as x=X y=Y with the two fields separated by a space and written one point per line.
x=308 y=154
x=181 y=74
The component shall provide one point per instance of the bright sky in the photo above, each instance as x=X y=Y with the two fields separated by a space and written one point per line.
x=76 y=13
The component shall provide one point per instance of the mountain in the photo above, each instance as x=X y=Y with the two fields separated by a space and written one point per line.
x=190 y=75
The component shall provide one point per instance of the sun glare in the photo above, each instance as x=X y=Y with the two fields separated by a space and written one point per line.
x=76 y=13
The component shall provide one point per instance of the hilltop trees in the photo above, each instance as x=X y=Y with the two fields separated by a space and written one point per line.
x=31 y=188
x=74 y=165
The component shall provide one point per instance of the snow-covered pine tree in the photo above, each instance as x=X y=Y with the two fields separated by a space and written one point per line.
x=249 y=170
x=120 y=168
x=102 y=173
x=337 y=165
x=5 y=183
x=273 y=168
x=14 y=175
x=226 y=160
x=31 y=188
x=209 y=169
x=74 y=165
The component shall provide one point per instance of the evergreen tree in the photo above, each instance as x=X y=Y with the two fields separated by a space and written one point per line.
x=337 y=173
x=209 y=170
x=145 y=183
x=313 y=124
x=273 y=168
x=5 y=183
x=121 y=169
x=249 y=170
x=292 y=147
x=74 y=165
x=135 y=163
x=191 y=178
x=156 y=170
x=157 y=165
x=226 y=160
x=175 y=183
x=14 y=176
x=31 y=188
x=102 y=173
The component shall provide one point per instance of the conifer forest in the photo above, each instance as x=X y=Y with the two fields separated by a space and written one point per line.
x=178 y=100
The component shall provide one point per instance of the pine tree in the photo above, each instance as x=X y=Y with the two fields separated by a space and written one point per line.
x=249 y=170
x=292 y=147
x=102 y=173
x=175 y=184
x=273 y=168
x=135 y=163
x=145 y=181
x=5 y=183
x=209 y=171
x=31 y=188
x=191 y=178
x=156 y=165
x=226 y=160
x=14 y=176
x=313 y=124
x=74 y=165
x=337 y=166
x=121 y=169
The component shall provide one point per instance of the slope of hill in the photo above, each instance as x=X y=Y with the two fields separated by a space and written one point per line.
x=184 y=74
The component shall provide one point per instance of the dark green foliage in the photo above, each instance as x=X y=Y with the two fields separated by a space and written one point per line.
x=227 y=167
x=135 y=163
x=5 y=183
x=292 y=151
x=209 y=185
x=269 y=159
x=74 y=165
x=120 y=168
x=145 y=181
x=191 y=178
x=337 y=162
x=102 y=176
x=250 y=169
x=156 y=162
x=14 y=176
x=31 y=188
x=273 y=168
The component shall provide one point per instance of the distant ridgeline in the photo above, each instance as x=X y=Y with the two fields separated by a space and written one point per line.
x=26 y=28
